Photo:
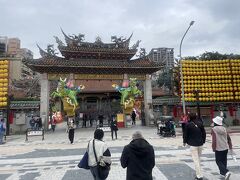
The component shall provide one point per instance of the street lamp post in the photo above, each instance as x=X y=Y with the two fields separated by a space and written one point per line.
x=196 y=94
x=180 y=54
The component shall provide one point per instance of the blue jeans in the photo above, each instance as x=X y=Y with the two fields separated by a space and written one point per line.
x=94 y=172
x=1 y=137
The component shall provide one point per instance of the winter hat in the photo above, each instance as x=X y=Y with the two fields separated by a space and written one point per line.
x=218 y=120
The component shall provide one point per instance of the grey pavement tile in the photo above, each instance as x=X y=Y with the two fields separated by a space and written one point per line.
x=15 y=164
x=29 y=176
x=234 y=169
x=206 y=169
x=72 y=166
x=4 y=176
x=82 y=138
x=187 y=160
x=26 y=170
x=46 y=168
x=38 y=166
x=47 y=153
x=80 y=174
x=214 y=173
x=167 y=148
x=62 y=162
x=177 y=171
x=208 y=155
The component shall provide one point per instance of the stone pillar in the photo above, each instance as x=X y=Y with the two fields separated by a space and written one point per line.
x=148 y=99
x=44 y=102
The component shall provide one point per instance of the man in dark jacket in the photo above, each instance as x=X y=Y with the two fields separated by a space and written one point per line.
x=138 y=156
x=194 y=135
x=114 y=127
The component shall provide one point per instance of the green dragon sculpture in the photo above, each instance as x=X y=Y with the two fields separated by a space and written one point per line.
x=67 y=92
x=128 y=94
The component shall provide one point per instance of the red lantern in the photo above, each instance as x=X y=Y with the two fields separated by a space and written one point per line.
x=11 y=116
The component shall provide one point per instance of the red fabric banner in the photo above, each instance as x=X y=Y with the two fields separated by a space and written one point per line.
x=11 y=115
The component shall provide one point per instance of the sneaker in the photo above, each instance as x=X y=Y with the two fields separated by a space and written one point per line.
x=196 y=178
x=227 y=176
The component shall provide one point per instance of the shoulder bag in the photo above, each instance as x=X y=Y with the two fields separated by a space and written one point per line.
x=84 y=161
x=103 y=168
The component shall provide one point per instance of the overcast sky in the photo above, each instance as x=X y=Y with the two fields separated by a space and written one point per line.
x=157 y=23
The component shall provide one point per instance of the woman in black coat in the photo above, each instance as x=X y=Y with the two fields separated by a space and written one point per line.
x=195 y=136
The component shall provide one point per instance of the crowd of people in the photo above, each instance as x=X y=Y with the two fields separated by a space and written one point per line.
x=35 y=123
x=71 y=126
x=139 y=158
x=194 y=135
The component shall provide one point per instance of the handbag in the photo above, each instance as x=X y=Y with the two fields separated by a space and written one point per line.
x=103 y=168
x=84 y=161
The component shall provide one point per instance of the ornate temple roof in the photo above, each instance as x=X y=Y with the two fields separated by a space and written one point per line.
x=76 y=47
x=96 y=58
x=57 y=64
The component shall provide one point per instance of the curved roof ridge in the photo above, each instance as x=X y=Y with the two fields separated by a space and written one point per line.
x=121 y=44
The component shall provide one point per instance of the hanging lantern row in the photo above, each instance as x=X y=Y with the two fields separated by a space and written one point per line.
x=3 y=66
x=209 y=99
x=207 y=62
x=217 y=80
x=4 y=62
x=205 y=77
x=3 y=83
x=202 y=72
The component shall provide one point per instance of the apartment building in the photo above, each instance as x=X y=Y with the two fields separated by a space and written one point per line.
x=13 y=46
x=163 y=55
x=3 y=45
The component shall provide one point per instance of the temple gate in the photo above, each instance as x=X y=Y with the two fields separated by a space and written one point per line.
x=97 y=66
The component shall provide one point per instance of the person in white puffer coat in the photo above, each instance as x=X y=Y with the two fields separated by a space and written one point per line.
x=102 y=153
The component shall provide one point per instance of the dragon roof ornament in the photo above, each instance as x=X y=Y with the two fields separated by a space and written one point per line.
x=78 y=40
x=58 y=41
x=136 y=45
x=50 y=51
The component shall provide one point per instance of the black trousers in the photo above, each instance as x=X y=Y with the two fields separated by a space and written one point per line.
x=71 y=135
x=115 y=133
x=53 y=127
x=183 y=129
x=221 y=160
x=133 y=121
x=84 y=123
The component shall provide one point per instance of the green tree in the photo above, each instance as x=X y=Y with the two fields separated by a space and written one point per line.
x=165 y=78
x=213 y=56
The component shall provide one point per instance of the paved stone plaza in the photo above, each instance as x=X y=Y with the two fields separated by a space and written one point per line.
x=54 y=158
